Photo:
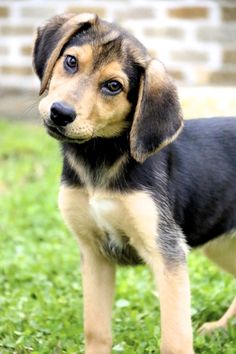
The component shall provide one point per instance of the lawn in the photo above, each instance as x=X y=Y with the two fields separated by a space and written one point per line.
x=40 y=296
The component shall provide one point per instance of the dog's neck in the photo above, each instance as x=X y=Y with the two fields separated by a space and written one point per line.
x=99 y=162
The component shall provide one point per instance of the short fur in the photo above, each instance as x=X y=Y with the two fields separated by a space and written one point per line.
x=136 y=186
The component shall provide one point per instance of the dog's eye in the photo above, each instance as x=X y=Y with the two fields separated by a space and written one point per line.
x=112 y=87
x=70 y=63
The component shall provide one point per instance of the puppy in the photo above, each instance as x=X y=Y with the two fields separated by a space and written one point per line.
x=136 y=186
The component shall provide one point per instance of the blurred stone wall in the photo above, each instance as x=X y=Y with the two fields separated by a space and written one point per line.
x=196 y=39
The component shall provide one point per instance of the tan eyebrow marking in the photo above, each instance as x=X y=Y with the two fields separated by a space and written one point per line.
x=84 y=55
x=114 y=71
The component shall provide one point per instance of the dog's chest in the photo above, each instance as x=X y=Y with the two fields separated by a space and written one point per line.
x=113 y=223
x=104 y=211
x=108 y=214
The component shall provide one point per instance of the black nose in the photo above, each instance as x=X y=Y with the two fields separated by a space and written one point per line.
x=62 y=114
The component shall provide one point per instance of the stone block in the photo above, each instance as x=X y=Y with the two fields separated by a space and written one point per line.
x=224 y=34
x=168 y=32
x=176 y=74
x=135 y=13
x=189 y=56
x=16 y=30
x=189 y=12
x=17 y=70
x=26 y=50
x=3 y=49
x=4 y=11
x=38 y=12
x=229 y=56
x=228 y=13
x=223 y=77
x=100 y=11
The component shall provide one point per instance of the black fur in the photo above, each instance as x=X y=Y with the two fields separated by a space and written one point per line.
x=47 y=39
x=202 y=176
x=195 y=175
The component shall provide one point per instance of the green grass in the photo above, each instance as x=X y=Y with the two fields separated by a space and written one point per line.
x=40 y=295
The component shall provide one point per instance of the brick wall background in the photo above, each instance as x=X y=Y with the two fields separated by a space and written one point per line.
x=196 y=39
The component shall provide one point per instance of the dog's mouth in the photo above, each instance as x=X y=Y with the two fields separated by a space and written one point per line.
x=59 y=134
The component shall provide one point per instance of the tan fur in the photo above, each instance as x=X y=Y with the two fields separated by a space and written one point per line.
x=110 y=36
x=98 y=276
x=210 y=327
x=90 y=214
x=174 y=292
x=103 y=176
x=68 y=29
x=84 y=55
x=114 y=71
x=97 y=115
x=108 y=114
x=116 y=169
x=139 y=56
x=222 y=251
x=133 y=213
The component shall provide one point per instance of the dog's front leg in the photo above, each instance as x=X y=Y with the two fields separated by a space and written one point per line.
x=171 y=276
x=98 y=276
x=160 y=243
x=176 y=328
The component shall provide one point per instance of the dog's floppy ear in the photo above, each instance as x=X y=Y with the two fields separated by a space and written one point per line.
x=51 y=39
x=158 y=118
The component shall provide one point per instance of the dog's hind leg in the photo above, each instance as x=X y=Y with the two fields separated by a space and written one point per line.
x=222 y=252
x=209 y=327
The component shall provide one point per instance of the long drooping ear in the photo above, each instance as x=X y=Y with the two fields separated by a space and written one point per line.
x=51 y=39
x=158 y=117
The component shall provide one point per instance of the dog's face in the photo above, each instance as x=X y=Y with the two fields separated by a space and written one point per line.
x=100 y=82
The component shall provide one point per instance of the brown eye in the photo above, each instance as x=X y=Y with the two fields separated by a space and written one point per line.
x=112 y=87
x=70 y=64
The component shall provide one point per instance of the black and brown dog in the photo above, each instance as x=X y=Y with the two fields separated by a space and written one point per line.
x=136 y=186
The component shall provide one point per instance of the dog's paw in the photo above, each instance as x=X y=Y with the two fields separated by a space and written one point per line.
x=209 y=327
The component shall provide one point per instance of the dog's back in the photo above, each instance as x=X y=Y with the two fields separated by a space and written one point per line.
x=202 y=165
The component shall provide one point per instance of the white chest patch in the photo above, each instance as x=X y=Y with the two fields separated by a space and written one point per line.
x=122 y=226
x=105 y=213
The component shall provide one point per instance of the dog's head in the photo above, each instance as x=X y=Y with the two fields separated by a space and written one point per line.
x=101 y=82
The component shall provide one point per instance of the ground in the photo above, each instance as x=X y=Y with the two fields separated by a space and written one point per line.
x=40 y=295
